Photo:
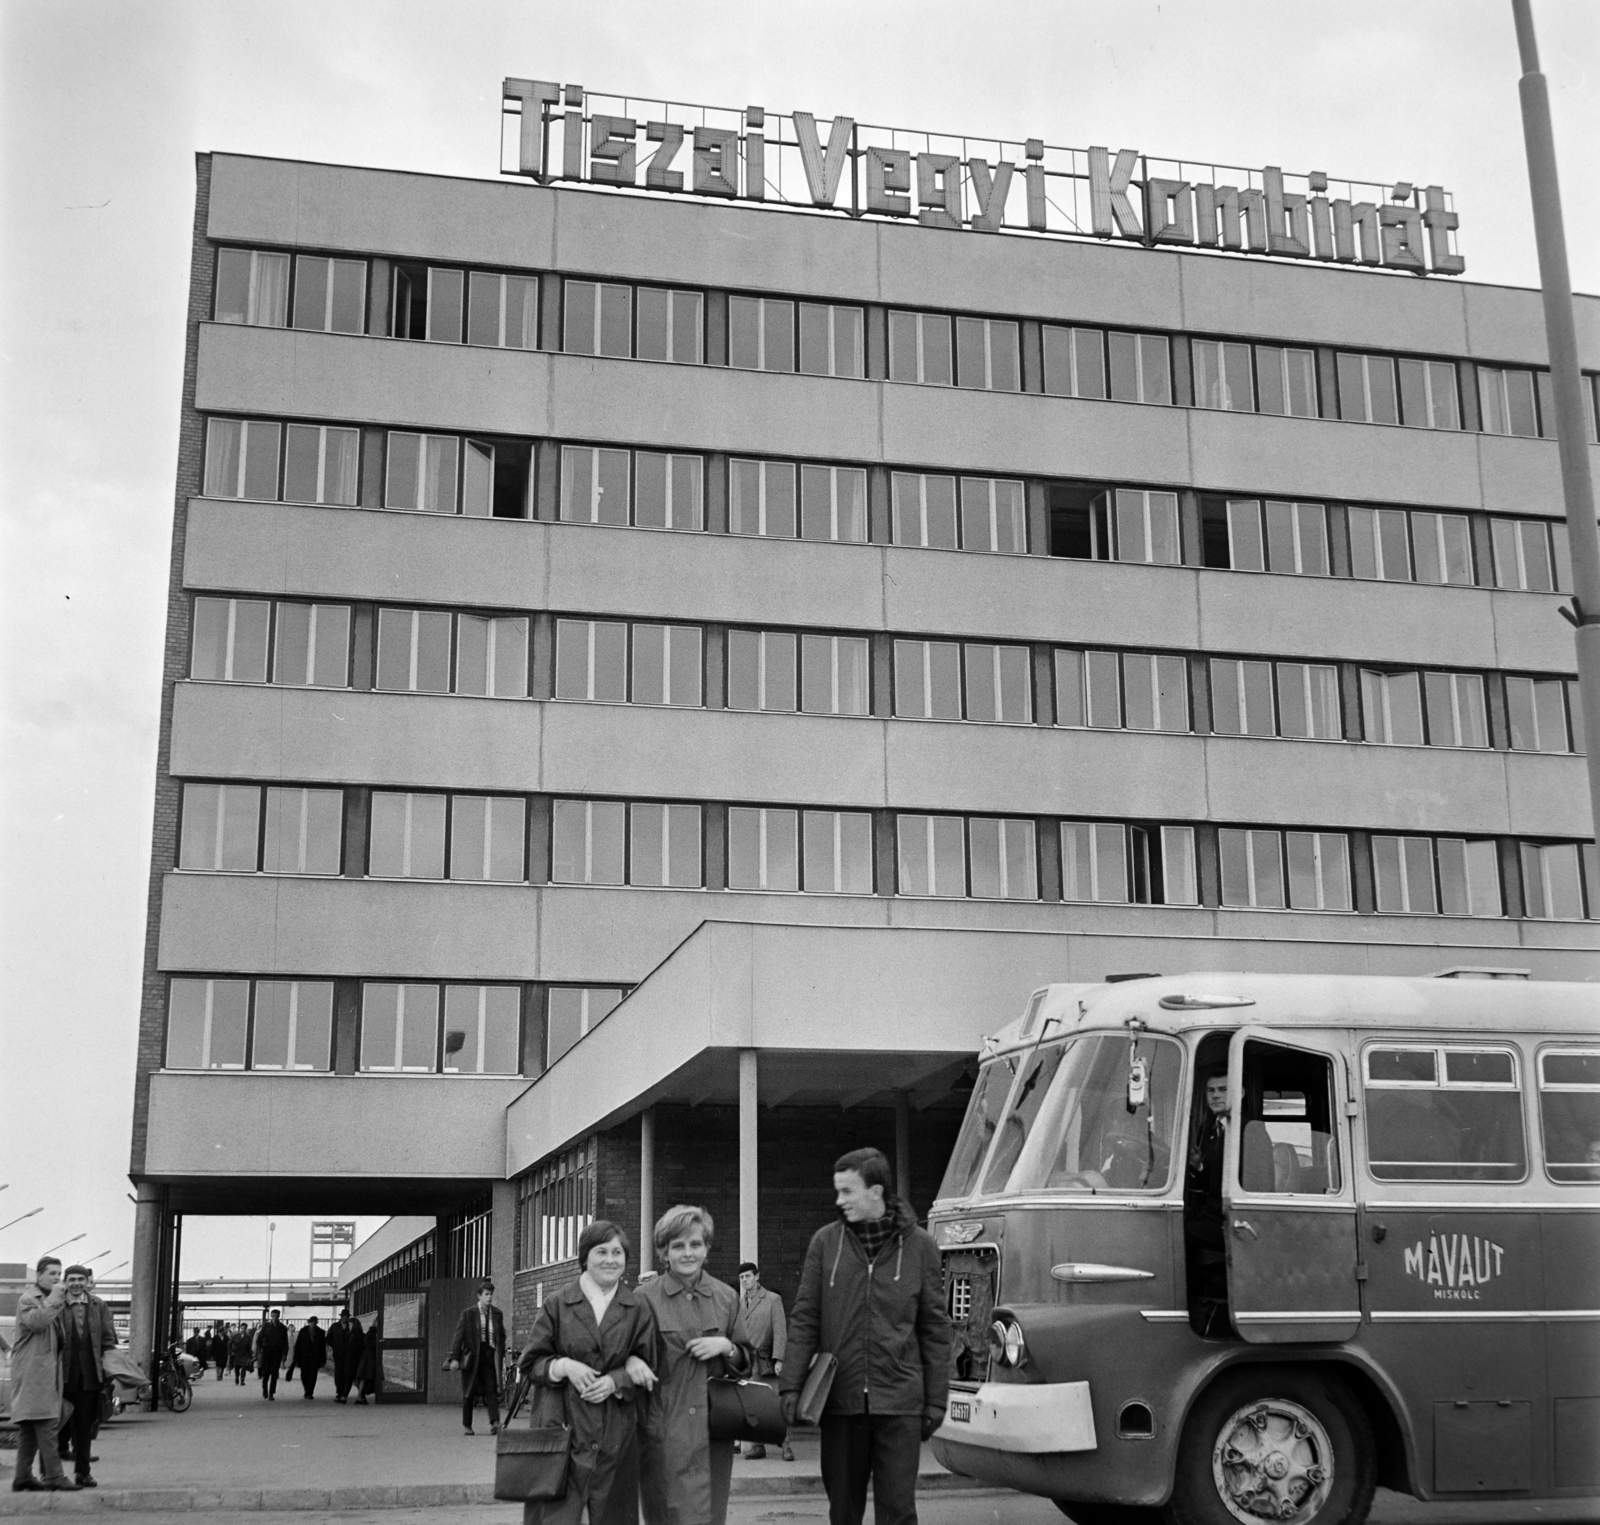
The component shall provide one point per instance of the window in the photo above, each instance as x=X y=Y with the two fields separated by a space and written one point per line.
x=414 y=651
x=1074 y=362
x=669 y=490
x=1003 y=858
x=1379 y=544
x=1455 y=709
x=664 y=846
x=999 y=683
x=1391 y=705
x=932 y=856
x=492 y=655
x=763 y=849
x=1286 y=380
x=1141 y=367
x=834 y=675
x=422 y=472
x=407 y=836
x=309 y=643
x=1469 y=877
x=1553 y=875
x=1367 y=390
x=927 y=680
x=1569 y=1113
x=1134 y=525
x=252 y=287
x=293 y=1028
x=1421 y=876
x=555 y=1203
x=924 y=510
x=1095 y=861
x=1530 y=555
x=1429 y=394
x=762 y=670
x=837 y=849
x=303 y=831
x=671 y=326
x=986 y=354
x=221 y=828
x=1506 y=401
x=761 y=498
x=666 y=665
x=572 y=1013
x=1269 y=870
x=242 y=459
x=320 y=465
x=230 y=639
x=760 y=333
x=1288 y=1140
x=1443 y=1114
x=1222 y=375
x=1537 y=711
x=1109 y=690
x=488 y=838
x=1089 y=362
x=429 y=303
x=330 y=295
x=599 y=319
x=588 y=842
x=1442 y=548
x=482 y=1030
x=1241 y=698
x=833 y=503
x=208 y=1024
x=1274 y=536
x=502 y=310
x=1179 y=885
x=592 y=660
x=919 y=348
x=400 y=1028
x=830 y=340
x=1308 y=701
x=992 y=516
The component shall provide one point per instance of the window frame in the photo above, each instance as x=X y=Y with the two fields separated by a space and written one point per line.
x=1563 y=1048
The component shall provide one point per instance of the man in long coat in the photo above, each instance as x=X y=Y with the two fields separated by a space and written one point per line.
x=345 y=1339
x=87 y=1332
x=310 y=1355
x=478 y=1352
x=36 y=1379
x=272 y=1345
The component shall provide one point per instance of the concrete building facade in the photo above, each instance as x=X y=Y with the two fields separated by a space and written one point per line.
x=650 y=683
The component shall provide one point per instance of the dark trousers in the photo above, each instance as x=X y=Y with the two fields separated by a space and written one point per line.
x=80 y=1427
x=343 y=1372
x=882 y=1448
x=269 y=1380
x=485 y=1384
x=37 y=1435
x=239 y=1370
x=308 y=1378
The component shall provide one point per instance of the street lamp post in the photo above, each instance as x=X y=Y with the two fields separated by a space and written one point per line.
x=34 y=1214
x=272 y=1229
x=65 y=1242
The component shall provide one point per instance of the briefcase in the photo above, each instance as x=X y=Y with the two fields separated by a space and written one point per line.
x=815 y=1389
x=532 y=1464
x=744 y=1410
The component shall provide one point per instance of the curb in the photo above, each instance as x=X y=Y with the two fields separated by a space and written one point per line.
x=406 y=1496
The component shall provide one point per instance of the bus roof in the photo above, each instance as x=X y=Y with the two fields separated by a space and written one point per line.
x=1181 y=1002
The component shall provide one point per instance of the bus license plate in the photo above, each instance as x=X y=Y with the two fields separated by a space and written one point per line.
x=961 y=1413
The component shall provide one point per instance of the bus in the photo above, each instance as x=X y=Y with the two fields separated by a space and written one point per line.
x=1228 y=1248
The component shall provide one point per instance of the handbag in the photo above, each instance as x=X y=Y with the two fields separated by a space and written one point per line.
x=744 y=1410
x=531 y=1465
x=815 y=1389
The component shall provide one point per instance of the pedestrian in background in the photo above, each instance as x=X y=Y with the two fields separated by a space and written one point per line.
x=762 y=1310
x=239 y=1345
x=219 y=1349
x=367 y=1365
x=87 y=1332
x=345 y=1340
x=271 y=1347
x=478 y=1352
x=871 y=1294
x=36 y=1379
x=310 y=1354
x=594 y=1341
x=684 y=1475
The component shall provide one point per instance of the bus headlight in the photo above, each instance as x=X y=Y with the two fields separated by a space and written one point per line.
x=1006 y=1344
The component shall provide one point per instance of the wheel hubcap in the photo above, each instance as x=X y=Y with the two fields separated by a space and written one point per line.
x=1272 y=1460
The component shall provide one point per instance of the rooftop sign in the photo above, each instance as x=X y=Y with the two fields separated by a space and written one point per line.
x=966 y=184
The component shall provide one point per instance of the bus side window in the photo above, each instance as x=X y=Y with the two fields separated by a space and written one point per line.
x=1288 y=1143
x=1443 y=1113
x=1569 y=1113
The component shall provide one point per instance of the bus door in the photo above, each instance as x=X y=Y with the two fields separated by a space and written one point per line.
x=1289 y=1203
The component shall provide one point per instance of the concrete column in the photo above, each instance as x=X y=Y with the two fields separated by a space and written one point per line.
x=146 y=1277
x=749 y=1180
x=647 y=1188
x=503 y=1244
x=902 y=1145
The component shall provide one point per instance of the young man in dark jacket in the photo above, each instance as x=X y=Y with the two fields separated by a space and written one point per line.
x=872 y=1295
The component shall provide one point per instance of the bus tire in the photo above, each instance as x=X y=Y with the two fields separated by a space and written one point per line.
x=1109 y=1514
x=1269 y=1443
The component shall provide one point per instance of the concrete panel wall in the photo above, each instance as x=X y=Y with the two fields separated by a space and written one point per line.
x=326 y=1126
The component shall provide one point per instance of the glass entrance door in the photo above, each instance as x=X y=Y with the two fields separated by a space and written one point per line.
x=403 y=1348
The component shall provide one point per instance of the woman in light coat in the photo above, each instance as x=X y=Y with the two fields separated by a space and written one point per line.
x=592 y=1343
x=36 y=1378
x=686 y=1476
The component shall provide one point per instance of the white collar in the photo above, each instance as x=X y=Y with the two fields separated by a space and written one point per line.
x=599 y=1298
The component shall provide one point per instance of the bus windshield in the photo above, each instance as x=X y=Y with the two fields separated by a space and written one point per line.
x=1103 y=1119
x=1038 y=1070
x=983 y=1113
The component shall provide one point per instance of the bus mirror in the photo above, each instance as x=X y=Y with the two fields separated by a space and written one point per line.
x=1138 y=1085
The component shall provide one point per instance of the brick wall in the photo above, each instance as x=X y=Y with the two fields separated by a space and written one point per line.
x=164 y=843
x=527 y=1288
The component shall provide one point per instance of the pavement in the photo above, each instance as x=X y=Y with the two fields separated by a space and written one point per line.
x=236 y=1456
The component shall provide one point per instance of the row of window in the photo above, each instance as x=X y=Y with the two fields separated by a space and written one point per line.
x=271 y=461
x=448 y=304
x=287 y=829
x=405 y=1028
x=646 y=662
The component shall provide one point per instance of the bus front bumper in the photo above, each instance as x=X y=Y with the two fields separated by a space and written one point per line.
x=1036 y=1418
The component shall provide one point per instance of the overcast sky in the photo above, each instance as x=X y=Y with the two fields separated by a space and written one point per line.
x=102 y=108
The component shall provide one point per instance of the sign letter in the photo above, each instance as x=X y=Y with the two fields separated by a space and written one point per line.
x=888 y=170
x=659 y=174
x=939 y=191
x=612 y=154
x=1169 y=212
x=535 y=95
x=716 y=161
x=989 y=194
x=1108 y=193
x=1439 y=224
x=823 y=175
x=1287 y=230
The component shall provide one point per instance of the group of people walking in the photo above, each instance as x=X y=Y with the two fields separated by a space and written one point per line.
x=306 y=1350
x=626 y=1368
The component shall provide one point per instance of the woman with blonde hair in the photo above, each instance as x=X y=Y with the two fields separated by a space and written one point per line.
x=685 y=1475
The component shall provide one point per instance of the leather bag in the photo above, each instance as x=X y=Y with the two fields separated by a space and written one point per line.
x=744 y=1410
x=815 y=1389
x=531 y=1465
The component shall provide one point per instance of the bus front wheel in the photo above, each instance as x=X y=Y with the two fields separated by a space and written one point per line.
x=1291 y=1447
